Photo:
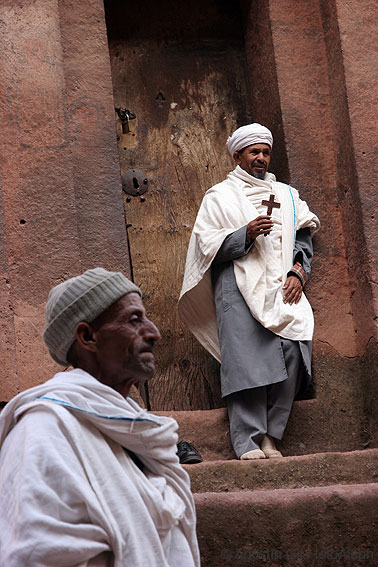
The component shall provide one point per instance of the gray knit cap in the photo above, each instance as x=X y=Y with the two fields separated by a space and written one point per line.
x=82 y=298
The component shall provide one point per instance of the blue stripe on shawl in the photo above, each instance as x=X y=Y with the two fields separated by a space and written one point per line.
x=295 y=220
x=71 y=406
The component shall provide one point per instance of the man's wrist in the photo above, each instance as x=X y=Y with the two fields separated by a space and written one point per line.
x=298 y=271
x=248 y=242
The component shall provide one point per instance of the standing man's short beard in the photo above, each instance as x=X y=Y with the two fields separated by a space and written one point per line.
x=259 y=175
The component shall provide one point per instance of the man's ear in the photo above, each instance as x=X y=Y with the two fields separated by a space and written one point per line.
x=236 y=157
x=85 y=336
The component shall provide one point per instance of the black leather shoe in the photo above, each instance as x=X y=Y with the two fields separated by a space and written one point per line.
x=188 y=454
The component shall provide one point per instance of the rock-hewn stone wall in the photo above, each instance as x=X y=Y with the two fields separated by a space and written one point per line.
x=329 y=136
x=60 y=208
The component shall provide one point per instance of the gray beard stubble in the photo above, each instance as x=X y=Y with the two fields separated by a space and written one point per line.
x=259 y=176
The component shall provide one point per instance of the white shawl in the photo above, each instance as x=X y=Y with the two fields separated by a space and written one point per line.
x=71 y=492
x=224 y=209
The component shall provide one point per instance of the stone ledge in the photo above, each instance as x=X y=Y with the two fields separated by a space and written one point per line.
x=320 y=469
x=208 y=430
x=333 y=525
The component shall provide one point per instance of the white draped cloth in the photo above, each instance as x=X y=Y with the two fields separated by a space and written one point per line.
x=260 y=274
x=72 y=496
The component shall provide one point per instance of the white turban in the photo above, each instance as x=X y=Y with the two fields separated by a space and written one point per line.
x=248 y=135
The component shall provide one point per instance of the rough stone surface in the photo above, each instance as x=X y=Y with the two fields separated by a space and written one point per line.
x=301 y=60
x=357 y=26
x=38 y=198
x=9 y=380
x=353 y=90
x=333 y=525
x=207 y=430
x=91 y=135
x=369 y=369
x=312 y=89
x=354 y=151
x=322 y=469
x=61 y=209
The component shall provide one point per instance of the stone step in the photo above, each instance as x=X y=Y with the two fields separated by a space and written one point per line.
x=207 y=430
x=330 y=525
x=322 y=469
x=307 y=432
x=303 y=510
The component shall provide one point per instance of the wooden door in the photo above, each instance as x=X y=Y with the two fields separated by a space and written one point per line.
x=180 y=69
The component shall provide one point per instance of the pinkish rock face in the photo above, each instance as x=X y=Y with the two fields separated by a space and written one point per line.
x=61 y=209
x=305 y=526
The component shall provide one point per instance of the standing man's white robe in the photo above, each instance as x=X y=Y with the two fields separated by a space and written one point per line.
x=71 y=495
x=260 y=274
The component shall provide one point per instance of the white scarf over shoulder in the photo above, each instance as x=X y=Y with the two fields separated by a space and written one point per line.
x=70 y=492
x=224 y=209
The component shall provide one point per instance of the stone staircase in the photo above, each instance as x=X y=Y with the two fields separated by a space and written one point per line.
x=314 y=509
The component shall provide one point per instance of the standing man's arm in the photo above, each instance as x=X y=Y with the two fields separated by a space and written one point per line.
x=303 y=251
x=240 y=242
x=300 y=272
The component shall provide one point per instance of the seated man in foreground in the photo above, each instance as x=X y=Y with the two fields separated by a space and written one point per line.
x=87 y=476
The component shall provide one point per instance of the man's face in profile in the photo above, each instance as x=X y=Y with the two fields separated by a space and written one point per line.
x=125 y=340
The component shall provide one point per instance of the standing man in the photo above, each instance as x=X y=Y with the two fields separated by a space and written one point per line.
x=248 y=260
x=87 y=476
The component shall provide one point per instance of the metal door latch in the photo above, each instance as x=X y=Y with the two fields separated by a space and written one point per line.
x=134 y=182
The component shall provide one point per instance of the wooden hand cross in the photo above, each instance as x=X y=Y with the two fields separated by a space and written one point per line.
x=271 y=204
